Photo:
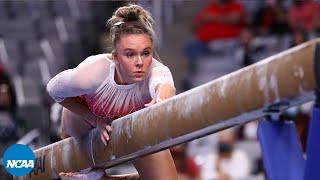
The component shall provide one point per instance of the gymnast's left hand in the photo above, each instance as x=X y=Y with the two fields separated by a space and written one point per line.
x=105 y=129
x=163 y=91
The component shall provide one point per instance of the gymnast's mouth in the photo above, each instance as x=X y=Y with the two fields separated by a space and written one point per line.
x=138 y=73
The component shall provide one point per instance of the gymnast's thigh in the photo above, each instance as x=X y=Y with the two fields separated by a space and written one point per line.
x=73 y=124
x=156 y=166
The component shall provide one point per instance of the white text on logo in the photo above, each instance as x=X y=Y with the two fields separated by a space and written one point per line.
x=20 y=164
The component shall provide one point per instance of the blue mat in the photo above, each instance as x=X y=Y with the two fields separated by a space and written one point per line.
x=312 y=170
x=281 y=150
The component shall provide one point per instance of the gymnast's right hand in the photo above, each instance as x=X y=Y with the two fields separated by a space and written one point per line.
x=76 y=105
x=105 y=129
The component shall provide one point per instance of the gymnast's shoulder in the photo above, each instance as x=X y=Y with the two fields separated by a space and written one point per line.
x=95 y=68
x=96 y=61
x=155 y=64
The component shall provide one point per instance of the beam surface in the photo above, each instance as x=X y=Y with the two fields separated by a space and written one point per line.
x=231 y=100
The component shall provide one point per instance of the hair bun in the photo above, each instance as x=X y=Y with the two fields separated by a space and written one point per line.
x=133 y=13
x=131 y=16
x=137 y=21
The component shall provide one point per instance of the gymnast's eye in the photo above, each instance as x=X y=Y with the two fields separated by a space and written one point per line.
x=129 y=54
x=146 y=53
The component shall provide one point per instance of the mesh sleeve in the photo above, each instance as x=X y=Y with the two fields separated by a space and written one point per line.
x=159 y=75
x=84 y=79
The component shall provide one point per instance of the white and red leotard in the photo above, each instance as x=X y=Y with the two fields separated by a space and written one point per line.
x=93 y=79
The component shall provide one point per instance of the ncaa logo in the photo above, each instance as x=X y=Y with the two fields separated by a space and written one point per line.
x=18 y=160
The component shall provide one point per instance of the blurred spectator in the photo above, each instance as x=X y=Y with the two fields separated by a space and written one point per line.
x=299 y=36
x=186 y=166
x=8 y=99
x=219 y=20
x=304 y=14
x=271 y=18
x=229 y=162
x=9 y=122
x=8 y=119
x=246 y=38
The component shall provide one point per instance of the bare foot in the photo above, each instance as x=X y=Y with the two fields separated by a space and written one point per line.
x=95 y=174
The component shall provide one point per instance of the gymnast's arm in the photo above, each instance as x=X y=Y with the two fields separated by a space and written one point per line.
x=102 y=123
x=72 y=83
x=161 y=84
x=67 y=86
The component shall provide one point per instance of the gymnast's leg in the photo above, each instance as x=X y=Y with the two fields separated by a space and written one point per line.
x=157 y=166
x=73 y=125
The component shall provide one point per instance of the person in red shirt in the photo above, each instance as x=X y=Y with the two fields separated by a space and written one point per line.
x=304 y=15
x=221 y=19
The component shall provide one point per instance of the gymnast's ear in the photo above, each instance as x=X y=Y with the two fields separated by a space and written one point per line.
x=114 y=55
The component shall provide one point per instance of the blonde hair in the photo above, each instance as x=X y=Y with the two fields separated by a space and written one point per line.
x=131 y=19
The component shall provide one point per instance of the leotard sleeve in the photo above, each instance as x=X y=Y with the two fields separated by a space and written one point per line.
x=81 y=80
x=160 y=74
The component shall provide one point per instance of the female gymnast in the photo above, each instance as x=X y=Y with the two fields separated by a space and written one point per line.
x=107 y=86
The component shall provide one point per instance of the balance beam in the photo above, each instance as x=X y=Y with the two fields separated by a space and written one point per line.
x=231 y=100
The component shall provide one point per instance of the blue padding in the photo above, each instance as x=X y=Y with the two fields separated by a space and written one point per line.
x=281 y=150
x=312 y=170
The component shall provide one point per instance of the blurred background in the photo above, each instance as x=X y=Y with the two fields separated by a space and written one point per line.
x=198 y=40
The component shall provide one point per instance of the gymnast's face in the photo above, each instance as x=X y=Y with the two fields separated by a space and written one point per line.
x=133 y=53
